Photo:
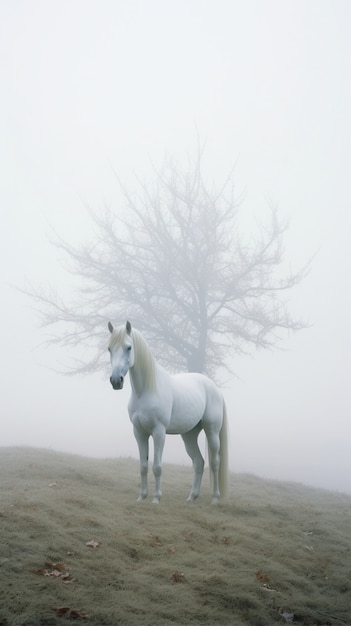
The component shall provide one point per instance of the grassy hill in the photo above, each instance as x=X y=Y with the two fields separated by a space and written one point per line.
x=274 y=553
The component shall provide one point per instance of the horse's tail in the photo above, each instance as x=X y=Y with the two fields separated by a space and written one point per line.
x=223 y=476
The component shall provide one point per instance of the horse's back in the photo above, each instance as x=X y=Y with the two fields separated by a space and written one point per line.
x=195 y=398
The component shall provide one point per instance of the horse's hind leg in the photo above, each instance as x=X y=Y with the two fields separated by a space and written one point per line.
x=214 y=459
x=193 y=450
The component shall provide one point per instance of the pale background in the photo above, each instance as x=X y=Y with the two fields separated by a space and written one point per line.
x=92 y=87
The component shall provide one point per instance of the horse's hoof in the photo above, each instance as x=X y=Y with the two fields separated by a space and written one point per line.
x=191 y=498
x=141 y=498
x=156 y=500
x=215 y=500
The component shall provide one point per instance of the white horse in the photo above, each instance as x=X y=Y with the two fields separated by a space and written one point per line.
x=160 y=403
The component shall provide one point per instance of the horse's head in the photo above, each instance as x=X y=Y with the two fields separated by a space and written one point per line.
x=121 y=353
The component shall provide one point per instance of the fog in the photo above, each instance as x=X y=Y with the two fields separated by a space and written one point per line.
x=90 y=89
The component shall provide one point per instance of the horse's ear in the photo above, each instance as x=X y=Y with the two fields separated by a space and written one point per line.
x=110 y=327
x=128 y=328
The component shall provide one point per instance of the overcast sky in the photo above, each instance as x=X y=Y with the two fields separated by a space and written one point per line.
x=92 y=87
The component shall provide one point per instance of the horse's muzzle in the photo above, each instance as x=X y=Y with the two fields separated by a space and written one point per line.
x=117 y=382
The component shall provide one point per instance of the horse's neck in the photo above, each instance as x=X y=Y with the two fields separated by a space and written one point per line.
x=143 y=372
x=137 y=380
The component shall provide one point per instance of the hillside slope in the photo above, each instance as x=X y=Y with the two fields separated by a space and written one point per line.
x=274 y=553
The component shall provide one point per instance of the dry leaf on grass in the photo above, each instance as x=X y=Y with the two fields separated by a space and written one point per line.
x=262 y=576
x=58 y=570
x=61 y=610
x=155 y=540
x=178 y=577
x=65 y=611
x=60 y=566
x=93 y=544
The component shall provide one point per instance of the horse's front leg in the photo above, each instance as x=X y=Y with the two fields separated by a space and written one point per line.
x=143 y=445
x=159 y=438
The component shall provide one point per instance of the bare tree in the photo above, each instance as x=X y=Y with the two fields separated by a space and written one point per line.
x=177 y=265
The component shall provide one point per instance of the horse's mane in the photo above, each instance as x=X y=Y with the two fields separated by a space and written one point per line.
x=143 y=357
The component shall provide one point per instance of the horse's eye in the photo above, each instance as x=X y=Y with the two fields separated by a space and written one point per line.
x=109 y=349
x=129 y=348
